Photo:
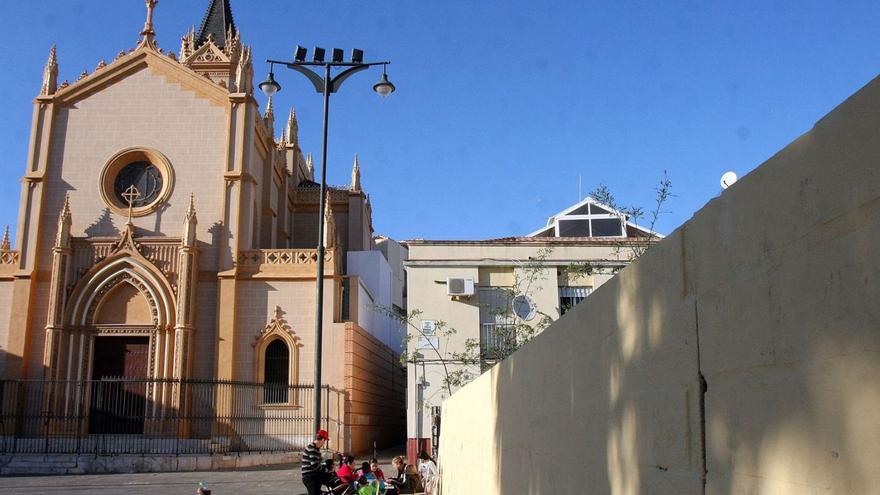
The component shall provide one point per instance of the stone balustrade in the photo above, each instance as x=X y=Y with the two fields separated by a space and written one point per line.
x=284 y=262
x=8 y=257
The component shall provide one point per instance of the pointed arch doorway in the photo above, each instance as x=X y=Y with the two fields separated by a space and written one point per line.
x=120 y=362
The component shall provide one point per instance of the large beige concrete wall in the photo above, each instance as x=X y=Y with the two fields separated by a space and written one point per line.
x=770 y=293
x=476 y=261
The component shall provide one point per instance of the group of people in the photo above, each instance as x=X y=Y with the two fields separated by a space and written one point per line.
x=369 y=479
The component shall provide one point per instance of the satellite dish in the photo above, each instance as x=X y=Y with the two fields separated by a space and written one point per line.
x=523 y=307
x=727 y=179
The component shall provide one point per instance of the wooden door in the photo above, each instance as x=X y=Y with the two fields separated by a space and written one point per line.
x=119 y=373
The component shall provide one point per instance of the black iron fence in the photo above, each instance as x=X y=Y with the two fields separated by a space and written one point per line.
x=141 y=416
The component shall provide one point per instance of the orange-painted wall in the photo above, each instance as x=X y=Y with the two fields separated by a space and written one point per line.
x=376 y=384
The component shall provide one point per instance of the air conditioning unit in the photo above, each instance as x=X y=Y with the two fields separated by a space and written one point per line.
x=459 y=286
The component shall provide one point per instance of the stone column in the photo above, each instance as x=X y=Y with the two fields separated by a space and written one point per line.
x=187 y=278
x=186 y=293
x=29 y=224
x=53 y=364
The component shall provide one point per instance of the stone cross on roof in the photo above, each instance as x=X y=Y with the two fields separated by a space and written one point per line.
x=148 y=33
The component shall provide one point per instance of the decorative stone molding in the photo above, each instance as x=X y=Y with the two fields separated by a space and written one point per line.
x=9 y=257
x=281 y=257
x=273 y=263
x=124 y=266
x=111 y=284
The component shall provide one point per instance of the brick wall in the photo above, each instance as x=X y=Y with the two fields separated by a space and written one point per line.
x=376 y=383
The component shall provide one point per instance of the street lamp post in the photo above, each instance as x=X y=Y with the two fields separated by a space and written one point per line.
x=326 y=85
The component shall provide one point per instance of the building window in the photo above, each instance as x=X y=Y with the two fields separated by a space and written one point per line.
x=147 y=170
x=276 y=373
x=591 y=220
x=570 y=296
x=145 y=177
x=497 y=323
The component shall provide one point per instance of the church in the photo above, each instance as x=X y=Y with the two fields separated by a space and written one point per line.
x=163 y=281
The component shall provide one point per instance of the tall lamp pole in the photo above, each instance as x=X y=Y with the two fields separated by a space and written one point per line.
x=326 y=85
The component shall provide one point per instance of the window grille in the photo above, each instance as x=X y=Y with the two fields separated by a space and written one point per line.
x=276 y=374
x=569 y=297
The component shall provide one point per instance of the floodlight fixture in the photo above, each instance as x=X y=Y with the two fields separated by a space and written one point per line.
x=318 y=55
x=357 y=56
x=338 y=54
x=300 y=54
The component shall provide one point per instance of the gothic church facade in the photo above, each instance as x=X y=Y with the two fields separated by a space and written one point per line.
x=165 y=232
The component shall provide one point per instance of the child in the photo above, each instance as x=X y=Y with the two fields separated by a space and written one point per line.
x=346 y=472
x=374 y=468
x=427 y=471
x=367 y=487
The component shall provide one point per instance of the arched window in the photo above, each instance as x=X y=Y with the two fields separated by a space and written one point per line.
x=276 y=353
x=276 y=373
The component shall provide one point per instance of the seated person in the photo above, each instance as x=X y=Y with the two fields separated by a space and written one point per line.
x=407 y=480
x=375 y=470
x=369 y=487
x=364 y=470
x=346 y=472
x=330 y=478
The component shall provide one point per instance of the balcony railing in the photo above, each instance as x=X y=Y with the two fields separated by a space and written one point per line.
x=495 y=338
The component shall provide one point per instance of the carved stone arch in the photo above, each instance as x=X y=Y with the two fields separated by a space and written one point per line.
x=122 y=267
x=278 y=330
x=103 y=295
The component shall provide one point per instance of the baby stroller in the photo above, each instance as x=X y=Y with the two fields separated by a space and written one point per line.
x=331 y=484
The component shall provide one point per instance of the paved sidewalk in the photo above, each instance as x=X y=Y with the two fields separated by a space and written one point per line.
x=270 y=481
x=274 y=480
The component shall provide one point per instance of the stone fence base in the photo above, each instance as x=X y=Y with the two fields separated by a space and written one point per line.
x=33 y=464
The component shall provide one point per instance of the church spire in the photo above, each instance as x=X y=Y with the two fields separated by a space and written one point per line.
x=310 y=167
x=292 y=129
x=270 y=111
x=189 y=223
x=50 y=74
x=356 y=175
x=217 y=24
x=148 y=33
x=4 y=245
x=62 y=236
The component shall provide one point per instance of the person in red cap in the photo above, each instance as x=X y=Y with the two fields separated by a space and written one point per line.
x=312 y=475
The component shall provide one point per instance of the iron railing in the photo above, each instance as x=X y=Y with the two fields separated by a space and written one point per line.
x=142 y=416
x=495 y=338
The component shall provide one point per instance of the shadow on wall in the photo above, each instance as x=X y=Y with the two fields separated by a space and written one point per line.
x=583 y=409
x=103 y=226
x=769 y=294
x=252 y=306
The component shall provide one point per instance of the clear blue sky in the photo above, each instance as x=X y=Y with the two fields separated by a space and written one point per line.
x=501 y=105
